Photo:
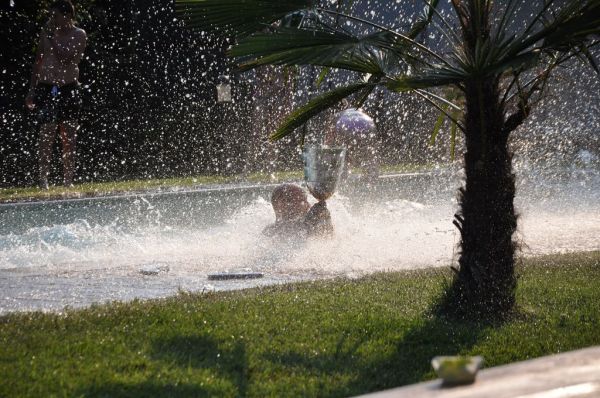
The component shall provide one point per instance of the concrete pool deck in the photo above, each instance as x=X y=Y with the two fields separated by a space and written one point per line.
x=567 y=375
x=40 y=290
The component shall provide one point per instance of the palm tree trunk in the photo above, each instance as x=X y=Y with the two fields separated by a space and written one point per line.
x=485 y=282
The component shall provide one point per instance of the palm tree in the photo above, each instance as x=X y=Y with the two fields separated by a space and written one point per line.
x=501 y=67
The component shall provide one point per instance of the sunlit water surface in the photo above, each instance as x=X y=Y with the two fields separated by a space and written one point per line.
x=399 y=224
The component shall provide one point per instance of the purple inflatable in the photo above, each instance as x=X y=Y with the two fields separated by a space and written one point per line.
x=354 y=123
x=356 y=130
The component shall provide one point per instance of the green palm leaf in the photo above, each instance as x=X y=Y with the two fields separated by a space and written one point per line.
x=425 y=79
x=237 y=17
x=424 y=19
x=318 y=57
x=574 y=24
x=523 y=61
x=322 y=75
x=314 y=107
x=570 y=28
x=590 y=58
x=438 y=125
x=394 y=59
x=374 y=54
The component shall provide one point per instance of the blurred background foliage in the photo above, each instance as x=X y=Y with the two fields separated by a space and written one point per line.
x=148 y=93
x=149 y=99
x=151 y=111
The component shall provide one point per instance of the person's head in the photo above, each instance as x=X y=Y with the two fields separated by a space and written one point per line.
x=62 y=13
x=289 y=202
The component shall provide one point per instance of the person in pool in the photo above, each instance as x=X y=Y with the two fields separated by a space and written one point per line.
x=295 y=217
x=54 y=92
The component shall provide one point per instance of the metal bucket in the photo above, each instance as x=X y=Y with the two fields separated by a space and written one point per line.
x=323 y=168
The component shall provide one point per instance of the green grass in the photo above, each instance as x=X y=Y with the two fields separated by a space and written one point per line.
x=327 y=338
x=119 y=187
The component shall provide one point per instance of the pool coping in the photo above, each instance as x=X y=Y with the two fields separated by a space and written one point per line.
x=175 y=191
x=569 y=374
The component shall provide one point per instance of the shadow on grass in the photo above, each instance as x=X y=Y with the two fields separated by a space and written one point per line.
x=145 y=389
x=367 y=362
x=224 y=363
x=369 y=367
x=228 y=359
x=408 y=362
x=225 y=360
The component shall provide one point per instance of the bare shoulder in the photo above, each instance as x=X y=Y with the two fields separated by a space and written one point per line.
x=79 y=33
x=80 y=37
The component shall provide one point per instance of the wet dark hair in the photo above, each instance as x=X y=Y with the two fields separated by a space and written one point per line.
x=64 y=6
x=287 y=193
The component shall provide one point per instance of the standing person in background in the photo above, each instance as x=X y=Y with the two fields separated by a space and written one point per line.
x=54 y=91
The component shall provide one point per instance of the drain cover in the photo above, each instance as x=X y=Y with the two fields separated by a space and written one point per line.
x=234 y=275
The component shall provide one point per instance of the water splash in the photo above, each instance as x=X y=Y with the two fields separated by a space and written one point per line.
x=382 y=233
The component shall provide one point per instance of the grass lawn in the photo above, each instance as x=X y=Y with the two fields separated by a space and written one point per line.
x=119 y=187
x=327 y=338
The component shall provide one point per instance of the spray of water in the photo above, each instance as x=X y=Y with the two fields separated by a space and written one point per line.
x=152 y=111
x=47 y=267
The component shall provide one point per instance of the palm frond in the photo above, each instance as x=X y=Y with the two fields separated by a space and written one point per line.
x=319 y=57
x=292 y=46
x=424 y=19
x=509 y=9
x=425 y=79
x=442 y=108
x=590 y=58
x=521 y=62
x=284 y=39
x=574 y=23
x=569 y=30
x=383 y=29
x=362 y=96
x=236 y=17
x=571 y=27
x=438 y=125
x=314 y=107
x=574 y=27
x=322 y=75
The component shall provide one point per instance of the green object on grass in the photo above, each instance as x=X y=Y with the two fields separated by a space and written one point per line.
x=456 y=370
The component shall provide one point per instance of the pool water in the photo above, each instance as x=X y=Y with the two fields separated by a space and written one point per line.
x=85 y=251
